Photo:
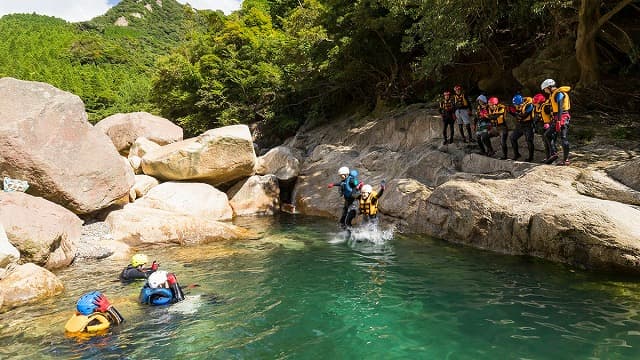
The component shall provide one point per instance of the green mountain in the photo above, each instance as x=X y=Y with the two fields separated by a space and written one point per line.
x=109 y=65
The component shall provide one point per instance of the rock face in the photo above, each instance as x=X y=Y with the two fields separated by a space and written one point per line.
x=8 y=253
x=256 y=195
x=124 y=129
x=143 y=184
x=141 y=226
x=565 y=214
x=43 y=231
x=196 y=199
x=142 y=146
x=553 y=221
x=279 y=161
x=628 y=174
x=45 y=138
x=218 y=156
x=25 y=284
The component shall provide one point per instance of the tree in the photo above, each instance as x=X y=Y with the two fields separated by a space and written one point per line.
x=589 y=23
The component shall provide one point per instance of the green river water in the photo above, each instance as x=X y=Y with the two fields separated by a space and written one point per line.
x=297 y=293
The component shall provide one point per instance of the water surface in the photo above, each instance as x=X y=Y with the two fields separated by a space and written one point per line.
x=297 y=293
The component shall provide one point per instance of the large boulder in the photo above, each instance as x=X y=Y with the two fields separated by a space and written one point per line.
x=628 y=173
x=25 y=284
x=256 y=195
x=280 y=161
x=45 y=139
x=404 y=201
x=124 y=129
x=539 y=214
x=141 y=226
x=8 y=253
x=217 y=157
x=44 y=232
x=196 y=199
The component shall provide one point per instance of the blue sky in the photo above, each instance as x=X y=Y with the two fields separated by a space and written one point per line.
x=75 y=10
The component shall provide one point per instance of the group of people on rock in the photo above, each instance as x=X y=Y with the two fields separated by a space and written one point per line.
x=546 y=113
x=357 y=196
x=95 y=314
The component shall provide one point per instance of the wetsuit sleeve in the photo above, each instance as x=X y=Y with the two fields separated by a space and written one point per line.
x=131 y=273
x=380 y=192
x=559 y=100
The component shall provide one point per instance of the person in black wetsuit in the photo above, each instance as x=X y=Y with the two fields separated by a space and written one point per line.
x=136 y=270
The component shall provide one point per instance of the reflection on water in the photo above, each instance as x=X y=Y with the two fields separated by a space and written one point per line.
x=295 y=292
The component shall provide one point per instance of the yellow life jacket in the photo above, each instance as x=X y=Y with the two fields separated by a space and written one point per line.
x=446 y=105
x=526 y=101
x=83 y=323
x=497 y=114
x=369 y=206
x=543 y=110
x=566 y=104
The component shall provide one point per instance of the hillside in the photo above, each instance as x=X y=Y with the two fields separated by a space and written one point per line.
x=109 y=66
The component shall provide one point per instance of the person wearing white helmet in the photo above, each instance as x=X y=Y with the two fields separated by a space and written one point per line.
x=560 y=106
x=368 y=203
x=161 y=288
x=349 y=187
x=482 y=126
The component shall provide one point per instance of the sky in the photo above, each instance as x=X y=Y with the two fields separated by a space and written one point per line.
x=82 y=10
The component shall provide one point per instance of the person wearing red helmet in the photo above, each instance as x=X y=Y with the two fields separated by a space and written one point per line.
x=542 y=110
x=446 y=110
x=497 y=113
x=463 y=111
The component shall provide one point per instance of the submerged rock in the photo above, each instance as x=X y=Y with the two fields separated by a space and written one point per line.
x=25 y=284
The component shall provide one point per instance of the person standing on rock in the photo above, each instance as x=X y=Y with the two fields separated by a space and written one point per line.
x=463 y=111
x=523 y=112
x=560 y=106
x=497 y=114
x=349 y=186
x=448 y=118
x=135 y=270
x=482 y=126
x=542 y=110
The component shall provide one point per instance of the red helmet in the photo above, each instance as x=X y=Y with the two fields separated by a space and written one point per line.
x=493 y=101
x=538 y=98
x=447 y=93
x=457 y=88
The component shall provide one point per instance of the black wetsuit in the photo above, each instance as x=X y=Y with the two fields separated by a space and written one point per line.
x=132 y=273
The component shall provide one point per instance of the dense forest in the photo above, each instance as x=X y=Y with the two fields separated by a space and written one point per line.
x=279 y=63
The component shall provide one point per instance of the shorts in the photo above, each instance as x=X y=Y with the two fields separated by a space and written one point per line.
x=462 y=116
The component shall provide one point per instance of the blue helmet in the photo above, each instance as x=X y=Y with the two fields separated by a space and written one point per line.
x=517 y=100
x=85 y=305
x=482 y=99
x=354 y=173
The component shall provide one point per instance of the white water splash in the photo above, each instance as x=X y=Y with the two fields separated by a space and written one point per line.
x=189 y=305
x=364 y=233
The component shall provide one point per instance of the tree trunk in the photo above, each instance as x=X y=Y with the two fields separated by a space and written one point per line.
x=589 y=23
x=586 y=53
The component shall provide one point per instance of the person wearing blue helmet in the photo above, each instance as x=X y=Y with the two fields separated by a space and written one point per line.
x=349 y=189
x=523 y=112
x=94 y=314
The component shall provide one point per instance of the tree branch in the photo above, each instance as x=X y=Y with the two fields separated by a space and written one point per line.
x=604 y=18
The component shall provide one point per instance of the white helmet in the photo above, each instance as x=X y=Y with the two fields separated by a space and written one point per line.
x=367 y=189
x=545 y=84
x=343 y=171
x=157 y=279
